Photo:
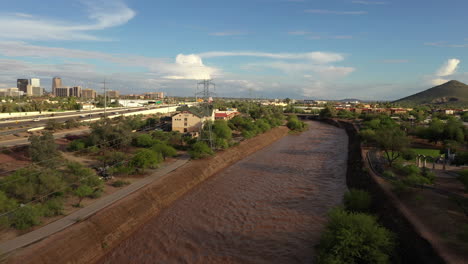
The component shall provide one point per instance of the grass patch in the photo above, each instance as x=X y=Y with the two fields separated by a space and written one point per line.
x=427 y=152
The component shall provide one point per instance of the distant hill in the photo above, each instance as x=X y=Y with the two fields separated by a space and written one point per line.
x=449 y=93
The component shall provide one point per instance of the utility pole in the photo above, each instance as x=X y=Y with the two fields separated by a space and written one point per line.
x=203 y=90
x=105 y=98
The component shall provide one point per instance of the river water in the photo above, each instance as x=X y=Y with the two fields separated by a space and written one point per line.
x=267 y=208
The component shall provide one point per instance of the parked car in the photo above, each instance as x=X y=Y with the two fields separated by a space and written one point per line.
x=36 y=120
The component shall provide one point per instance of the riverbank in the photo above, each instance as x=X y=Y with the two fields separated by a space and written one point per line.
x=414 y=243
x=90 y=239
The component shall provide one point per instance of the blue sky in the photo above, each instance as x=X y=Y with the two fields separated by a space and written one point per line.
x=327 y=49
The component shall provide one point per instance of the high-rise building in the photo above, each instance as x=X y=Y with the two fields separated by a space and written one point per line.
x=62 y=91
x=37 y=91
x=35 y=82
x=56 y=83
x=113 y=94
x=154 y=95
x=88 y=93
x=75 y=91
x=22 y=85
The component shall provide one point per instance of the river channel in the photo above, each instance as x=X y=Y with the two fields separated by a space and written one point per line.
x=269 y=207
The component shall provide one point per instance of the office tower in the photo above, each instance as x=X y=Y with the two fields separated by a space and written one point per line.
x=22 y=85
x=75 y=91
x=56 y=83
x=88 y=94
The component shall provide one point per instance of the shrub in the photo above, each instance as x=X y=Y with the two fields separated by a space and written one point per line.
x=165 y=150
x=112 y=158
x=143 y=141
x=6 y=205
x=357 y=200
x=200 y=150
x=76 y=145
x=354 y=238
x=400 y=187
x=416 y=179
x=26 y=217
x=295 y=124
x=145 y=158
x=429 y=175
x=122 y=170
x=409 y=170
x=367 y=135
x=120 y=183
x=52 y=207
x=409 y=154
x=388 y=174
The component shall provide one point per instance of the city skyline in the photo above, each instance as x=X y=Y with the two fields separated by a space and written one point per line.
x=276 y=48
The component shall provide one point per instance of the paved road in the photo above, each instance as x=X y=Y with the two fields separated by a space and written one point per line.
x=24 y=141
x=52 y=228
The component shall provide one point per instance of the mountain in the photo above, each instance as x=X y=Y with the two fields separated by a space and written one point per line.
x=451 y=93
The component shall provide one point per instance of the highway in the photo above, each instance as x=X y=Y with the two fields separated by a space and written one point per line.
x=24 y=124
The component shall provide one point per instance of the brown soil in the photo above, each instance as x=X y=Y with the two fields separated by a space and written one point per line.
x=12 y=159
x=87 y=241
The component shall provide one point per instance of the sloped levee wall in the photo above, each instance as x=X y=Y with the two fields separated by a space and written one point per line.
x=89 y=240
x=411 y=247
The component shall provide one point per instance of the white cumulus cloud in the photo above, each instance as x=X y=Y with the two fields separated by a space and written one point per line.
x=448 y=68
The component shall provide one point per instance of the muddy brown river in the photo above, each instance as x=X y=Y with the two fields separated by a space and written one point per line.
x=267 y=208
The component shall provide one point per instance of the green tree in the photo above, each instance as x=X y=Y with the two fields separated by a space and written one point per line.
x=200 y=150
x=145 y=158
x=328 y=112
x=392 y=141
x=165 y=150
x=81 y=192
x=52 y=124
x=6 y=205
x=295 y=124
x=26 y=217
x=354 y=238
x=43 y=150
x=144 y=141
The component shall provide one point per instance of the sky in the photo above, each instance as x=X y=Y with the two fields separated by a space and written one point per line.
x=314 y=49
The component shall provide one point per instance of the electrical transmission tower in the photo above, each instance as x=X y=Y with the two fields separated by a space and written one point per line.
x=204 y=92
x=105 y=98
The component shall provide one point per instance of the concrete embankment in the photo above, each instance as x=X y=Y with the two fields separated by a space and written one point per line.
x=90 y=239
x=413 y=245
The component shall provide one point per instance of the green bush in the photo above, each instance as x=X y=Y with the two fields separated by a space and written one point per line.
x=120 y=183
x=26 y=217
x=354 y=238
x=52 y=207
x=388 y=174
x=200 y=150
x=416 y=179
x=145 y=158
x=400 y=187
x=165 y=150
x=6 y=205
x=76 y=145
x=357 y=200
x=113 y=158
x=367 y=135
x=122 y=170
x=143 y=141
x=409 y=170
x=409 y=154
x=295 y=124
